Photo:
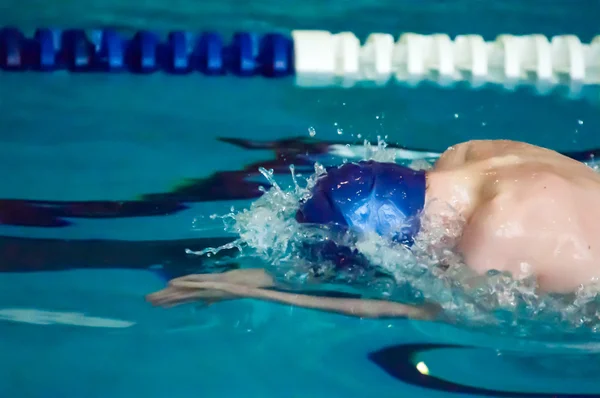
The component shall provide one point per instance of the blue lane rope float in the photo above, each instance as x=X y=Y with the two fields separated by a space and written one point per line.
x=314 y=58
x=74 y=50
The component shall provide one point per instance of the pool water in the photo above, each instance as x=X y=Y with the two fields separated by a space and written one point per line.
x=106 y=180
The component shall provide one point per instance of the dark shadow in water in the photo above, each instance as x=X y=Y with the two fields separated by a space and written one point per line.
x=31 y=255
x=167 y=258
x=220 y=186
x=399 y=362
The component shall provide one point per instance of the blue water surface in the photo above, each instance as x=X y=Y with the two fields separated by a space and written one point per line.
x=77 y=150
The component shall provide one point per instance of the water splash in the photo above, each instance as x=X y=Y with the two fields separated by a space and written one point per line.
x=431 y=270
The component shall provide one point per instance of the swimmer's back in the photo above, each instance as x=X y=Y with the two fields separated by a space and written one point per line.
x=535 y=211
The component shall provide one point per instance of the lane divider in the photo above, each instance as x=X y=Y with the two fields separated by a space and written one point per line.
x=315 y=58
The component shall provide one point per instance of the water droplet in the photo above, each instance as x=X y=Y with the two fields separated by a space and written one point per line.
x=340 y=131
x=311 y=131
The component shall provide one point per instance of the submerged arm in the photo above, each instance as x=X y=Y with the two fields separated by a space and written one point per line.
x=253 y=277
x=364 y=308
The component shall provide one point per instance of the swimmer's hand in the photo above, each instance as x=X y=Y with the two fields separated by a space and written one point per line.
x=187 y=289
x=176 y=294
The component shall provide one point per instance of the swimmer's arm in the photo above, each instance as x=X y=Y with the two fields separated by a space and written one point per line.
x=364 y=308
x=252 y=277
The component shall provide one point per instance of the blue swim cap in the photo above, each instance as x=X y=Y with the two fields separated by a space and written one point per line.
x=385 y=198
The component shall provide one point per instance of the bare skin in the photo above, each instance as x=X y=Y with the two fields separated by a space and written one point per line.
x=213 y=287
x=528 y=211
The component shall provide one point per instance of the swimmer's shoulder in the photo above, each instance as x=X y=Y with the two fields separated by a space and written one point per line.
x=491 y=155
x=494 y=152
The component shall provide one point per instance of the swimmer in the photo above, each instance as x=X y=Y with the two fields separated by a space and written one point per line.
x=527 y=211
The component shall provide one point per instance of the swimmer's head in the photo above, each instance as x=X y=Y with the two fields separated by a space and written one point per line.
x=368 y=196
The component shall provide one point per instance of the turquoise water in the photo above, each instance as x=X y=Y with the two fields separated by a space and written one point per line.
x=90 y=148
